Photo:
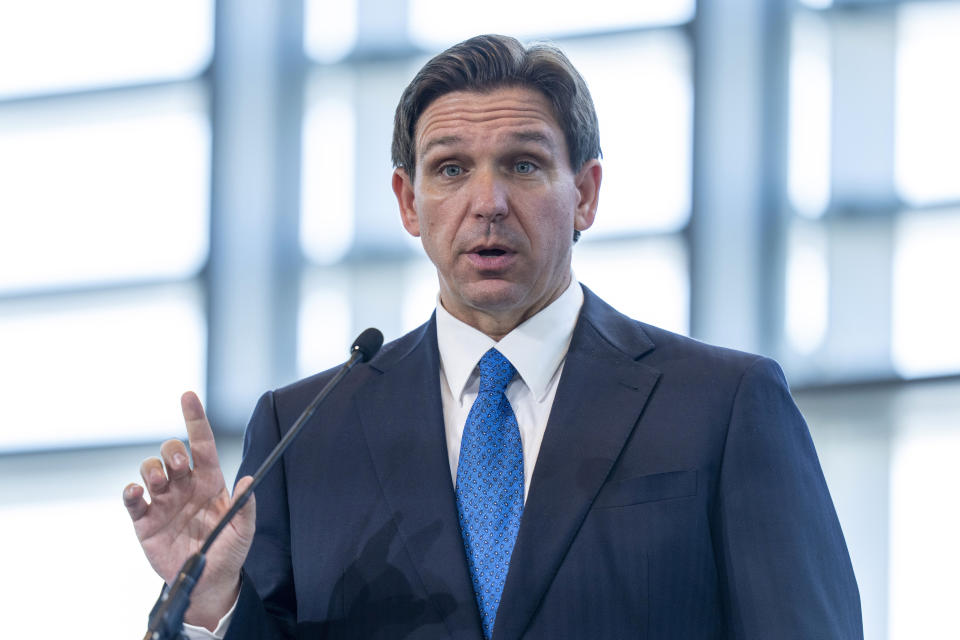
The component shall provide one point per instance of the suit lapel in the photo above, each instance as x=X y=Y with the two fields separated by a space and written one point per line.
x=600 y=397
x=402 y=419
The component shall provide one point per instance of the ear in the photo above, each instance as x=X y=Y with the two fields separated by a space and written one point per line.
x=403 y=189
x=587 y=182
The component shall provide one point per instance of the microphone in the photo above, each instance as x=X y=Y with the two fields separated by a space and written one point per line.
x=367 y=344
x=166 y=617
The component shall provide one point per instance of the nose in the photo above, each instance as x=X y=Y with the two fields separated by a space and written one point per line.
x=488 y=196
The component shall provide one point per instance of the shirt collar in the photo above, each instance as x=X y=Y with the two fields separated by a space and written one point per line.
x=536 y=348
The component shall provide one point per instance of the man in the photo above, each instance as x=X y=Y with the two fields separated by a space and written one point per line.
x=529 y=463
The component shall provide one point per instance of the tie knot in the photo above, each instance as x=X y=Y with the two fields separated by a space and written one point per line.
x=495 y=371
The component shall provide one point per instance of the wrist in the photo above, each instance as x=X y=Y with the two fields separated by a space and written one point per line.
x=210 y=603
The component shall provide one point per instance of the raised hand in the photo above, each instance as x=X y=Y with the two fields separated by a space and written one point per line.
x=185 y=504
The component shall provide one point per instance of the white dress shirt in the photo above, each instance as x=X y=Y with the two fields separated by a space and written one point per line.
x=537 y=349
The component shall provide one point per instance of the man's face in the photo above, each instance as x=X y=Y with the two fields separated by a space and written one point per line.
x=495 y=203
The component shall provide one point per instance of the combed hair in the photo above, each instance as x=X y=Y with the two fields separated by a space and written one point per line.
x=488 y=62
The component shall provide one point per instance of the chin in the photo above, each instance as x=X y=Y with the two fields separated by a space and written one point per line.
x=494 y=296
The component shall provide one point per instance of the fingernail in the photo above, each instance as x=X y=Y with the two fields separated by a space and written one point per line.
x=155 y=476
x=179 y=459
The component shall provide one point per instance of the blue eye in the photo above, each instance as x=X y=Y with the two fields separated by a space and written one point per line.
x=451 y=170
x=524 y=167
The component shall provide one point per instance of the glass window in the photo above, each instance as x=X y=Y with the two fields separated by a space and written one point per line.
x=642 y=88
x=807 y=287
x=926 y=307
x=59 y=45
x=99 y=368
x=646 y=279
x=338 y=302
x=347 y=205
x=328 y=179
x=99 y=191
x=330 y=29
x=433 y=25
x=923 y=478
x=102 y=554
x=420 y=292
x=927 y=102
x=325 y=320
x=809 y=124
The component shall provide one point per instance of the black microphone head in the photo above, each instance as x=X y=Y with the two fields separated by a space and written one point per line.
x=367 y=343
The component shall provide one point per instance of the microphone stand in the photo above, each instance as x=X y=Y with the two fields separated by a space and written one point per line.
x=166 y=616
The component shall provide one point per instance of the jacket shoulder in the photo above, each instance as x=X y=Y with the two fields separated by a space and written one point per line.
x=659 y=347
x=301 y=391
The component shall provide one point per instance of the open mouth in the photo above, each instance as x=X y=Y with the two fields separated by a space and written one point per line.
x=490 y=252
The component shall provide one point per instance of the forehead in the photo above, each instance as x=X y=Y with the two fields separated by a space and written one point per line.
x=468 y=116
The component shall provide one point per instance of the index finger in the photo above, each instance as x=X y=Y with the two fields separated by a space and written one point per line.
x=199 y=433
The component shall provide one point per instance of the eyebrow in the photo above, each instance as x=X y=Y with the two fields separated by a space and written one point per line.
x=520 y=136
x=533 y=136
x=442 y=141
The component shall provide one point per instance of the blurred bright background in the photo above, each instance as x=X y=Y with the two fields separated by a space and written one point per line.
x=195 y=195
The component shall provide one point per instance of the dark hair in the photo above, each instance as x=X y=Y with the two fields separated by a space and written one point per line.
x=488 y=62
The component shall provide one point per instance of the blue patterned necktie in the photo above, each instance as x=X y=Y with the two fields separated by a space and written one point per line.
x=490 y=485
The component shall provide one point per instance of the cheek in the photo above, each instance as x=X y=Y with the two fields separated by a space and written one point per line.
x=435 y=237
x=433 y=232
x=553 y=223
x=440 y=222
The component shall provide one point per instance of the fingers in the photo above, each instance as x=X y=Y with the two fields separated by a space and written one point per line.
x=157 y=476
x=157 y=482
x=175 y=459
x=198 y=432
x=134 y=502
x=151 y=470
x=241 y=486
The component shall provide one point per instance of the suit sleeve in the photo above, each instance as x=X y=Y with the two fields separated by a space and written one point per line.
x=266 y=608
x=782 y=557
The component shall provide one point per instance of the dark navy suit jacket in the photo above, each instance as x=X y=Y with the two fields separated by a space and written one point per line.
x=677 y=495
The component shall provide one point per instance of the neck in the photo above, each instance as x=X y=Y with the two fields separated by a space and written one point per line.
x=495 y=323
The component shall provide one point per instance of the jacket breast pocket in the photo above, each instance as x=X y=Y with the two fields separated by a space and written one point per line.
x=648 y=488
